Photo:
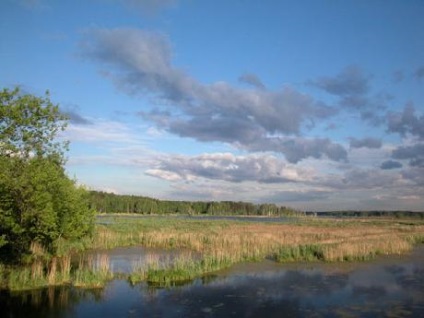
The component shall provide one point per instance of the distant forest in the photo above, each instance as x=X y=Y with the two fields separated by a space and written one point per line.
x=396 y=214
x=104 y=202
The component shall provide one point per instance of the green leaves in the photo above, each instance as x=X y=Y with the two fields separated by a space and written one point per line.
x=29 y=125
x=38 y=202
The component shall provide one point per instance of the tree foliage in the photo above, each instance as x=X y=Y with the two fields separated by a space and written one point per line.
x=113 y=203
x=38 y=202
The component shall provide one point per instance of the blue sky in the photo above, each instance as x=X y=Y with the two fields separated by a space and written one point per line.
x=318 y=105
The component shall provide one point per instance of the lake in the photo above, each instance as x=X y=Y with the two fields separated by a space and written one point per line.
x=387 y=287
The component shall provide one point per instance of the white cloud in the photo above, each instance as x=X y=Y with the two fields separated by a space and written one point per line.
x=228 y=167
x=100 y=131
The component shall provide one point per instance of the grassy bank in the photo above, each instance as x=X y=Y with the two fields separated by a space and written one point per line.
x=216 y=244
x=88 y=274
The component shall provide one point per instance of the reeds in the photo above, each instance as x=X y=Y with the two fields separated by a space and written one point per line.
x=219 y=244
x=183 y=268
x=225 y=243
x=93 y=272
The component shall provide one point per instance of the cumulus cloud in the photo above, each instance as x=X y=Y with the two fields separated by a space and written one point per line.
x=415 y=154
x=352 y=88
x=390 y=164
x=212 y=190
x=372 y=143
x=357 y=178
x=227 y=167
x=406 y=122
x=252 y=79
x=415 y=175
x=350 y=82
x=297 y=149
x=140 y=62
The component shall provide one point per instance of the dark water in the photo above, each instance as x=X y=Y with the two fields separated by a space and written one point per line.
x=389 y=287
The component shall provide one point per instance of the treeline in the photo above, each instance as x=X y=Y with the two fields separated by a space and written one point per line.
x=396 y=214
x=104 y=202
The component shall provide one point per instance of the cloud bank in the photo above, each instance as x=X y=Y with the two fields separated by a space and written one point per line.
x=270 y=127
x=228 y=167
x=140 y=63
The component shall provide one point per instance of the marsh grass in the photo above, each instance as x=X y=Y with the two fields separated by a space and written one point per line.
x=28 y=277
x=182 y=268
x=93 y=272
x=309 y=252
x=224 y=243
x=217 y=244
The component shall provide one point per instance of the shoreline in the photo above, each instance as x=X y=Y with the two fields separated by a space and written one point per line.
x=216 y=245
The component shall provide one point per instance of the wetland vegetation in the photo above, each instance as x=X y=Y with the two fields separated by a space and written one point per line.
x=390 y=286
x=212 y=245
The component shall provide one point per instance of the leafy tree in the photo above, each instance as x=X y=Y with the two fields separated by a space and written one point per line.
x=38 y=202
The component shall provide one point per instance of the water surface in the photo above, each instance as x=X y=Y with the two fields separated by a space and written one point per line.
x=387 y=287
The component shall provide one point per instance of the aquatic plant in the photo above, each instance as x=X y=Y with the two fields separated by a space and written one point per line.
x=93 y=273
x=183 y=268
x=218 y=244
x=309 y=252
x=28 y=277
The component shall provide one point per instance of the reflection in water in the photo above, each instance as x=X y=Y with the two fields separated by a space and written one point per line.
x=126 y=259
x=389 y=287
x=46 y=302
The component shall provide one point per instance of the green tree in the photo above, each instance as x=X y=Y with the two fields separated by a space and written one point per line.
x=38 y=202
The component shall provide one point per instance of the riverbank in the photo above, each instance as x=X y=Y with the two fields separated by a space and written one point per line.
x=213 y=245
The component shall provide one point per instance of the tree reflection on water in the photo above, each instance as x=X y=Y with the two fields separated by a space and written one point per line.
x=390 y=287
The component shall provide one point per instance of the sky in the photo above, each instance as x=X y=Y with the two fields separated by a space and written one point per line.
x=317 y=105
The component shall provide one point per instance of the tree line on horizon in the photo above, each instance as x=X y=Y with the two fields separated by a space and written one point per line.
x=104 y=202
x=107 y=202
x=371 y=213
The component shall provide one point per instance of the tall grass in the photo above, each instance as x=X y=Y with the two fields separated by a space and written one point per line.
x=183 y=268
x=93 y=272
x=90 y=273
x=219 y=244
x=28 y=277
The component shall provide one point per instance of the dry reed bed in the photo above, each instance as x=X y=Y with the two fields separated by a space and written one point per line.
x=216 y=245
x=337 y=241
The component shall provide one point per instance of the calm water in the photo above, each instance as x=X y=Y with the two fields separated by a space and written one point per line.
x=389 y=287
